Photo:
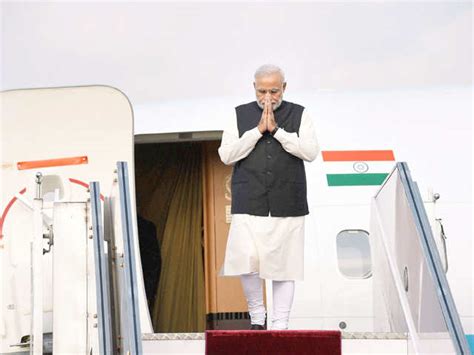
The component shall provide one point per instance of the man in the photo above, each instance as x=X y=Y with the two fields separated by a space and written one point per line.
x=267 y=143
x=150 y=257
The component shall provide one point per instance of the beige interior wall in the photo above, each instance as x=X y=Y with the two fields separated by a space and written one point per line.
x=223 y=294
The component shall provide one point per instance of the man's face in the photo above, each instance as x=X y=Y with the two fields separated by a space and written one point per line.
x=269 y=87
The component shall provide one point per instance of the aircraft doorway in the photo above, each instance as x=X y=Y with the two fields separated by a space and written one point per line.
x=183 y=208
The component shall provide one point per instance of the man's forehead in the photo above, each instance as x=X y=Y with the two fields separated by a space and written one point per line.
x=269 y=80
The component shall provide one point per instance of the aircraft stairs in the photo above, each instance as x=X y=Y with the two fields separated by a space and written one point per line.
x=414 y=311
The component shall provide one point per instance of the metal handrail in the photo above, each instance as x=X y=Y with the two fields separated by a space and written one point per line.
x=433 y=260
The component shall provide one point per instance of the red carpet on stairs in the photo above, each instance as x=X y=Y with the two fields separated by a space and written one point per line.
x=275 y=342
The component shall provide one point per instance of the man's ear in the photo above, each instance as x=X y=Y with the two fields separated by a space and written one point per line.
x=254 y=85
x=284 y=86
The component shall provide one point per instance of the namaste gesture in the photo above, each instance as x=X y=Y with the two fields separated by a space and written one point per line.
x=267 y=122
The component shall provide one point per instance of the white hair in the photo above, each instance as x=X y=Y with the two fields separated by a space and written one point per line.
x=268 y=69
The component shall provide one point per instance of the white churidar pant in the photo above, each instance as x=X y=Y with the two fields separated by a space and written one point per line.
x=283 y=292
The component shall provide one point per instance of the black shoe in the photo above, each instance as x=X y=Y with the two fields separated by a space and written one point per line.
x=257 y=327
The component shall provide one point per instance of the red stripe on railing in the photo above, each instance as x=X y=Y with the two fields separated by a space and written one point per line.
x=5 y=212
x=13 y=200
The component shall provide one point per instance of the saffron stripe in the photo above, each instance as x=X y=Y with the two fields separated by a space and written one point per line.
x=25 y=165
x=356 y=179
x=358 y=155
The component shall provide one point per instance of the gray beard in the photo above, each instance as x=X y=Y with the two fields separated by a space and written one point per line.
x=274 y=107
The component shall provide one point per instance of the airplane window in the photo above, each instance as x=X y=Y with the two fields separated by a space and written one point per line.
x=353 y=254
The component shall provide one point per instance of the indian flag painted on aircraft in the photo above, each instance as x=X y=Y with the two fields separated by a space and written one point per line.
x=357 y=167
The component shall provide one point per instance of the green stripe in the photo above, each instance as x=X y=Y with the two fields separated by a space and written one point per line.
x=355 y=179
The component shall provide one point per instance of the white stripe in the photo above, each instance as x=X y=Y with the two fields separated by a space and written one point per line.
x=348 y=167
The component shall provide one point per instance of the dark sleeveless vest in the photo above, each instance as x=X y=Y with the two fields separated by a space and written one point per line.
x=269 y=179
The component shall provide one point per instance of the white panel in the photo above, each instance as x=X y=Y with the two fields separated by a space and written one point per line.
x=181 y=347
x=398 y=245
x=37 y=279
x=70 y=293
x=325 y=292
x=93 y=334
x=369 y=346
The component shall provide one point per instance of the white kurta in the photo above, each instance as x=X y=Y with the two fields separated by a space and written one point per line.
x=271 y=246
